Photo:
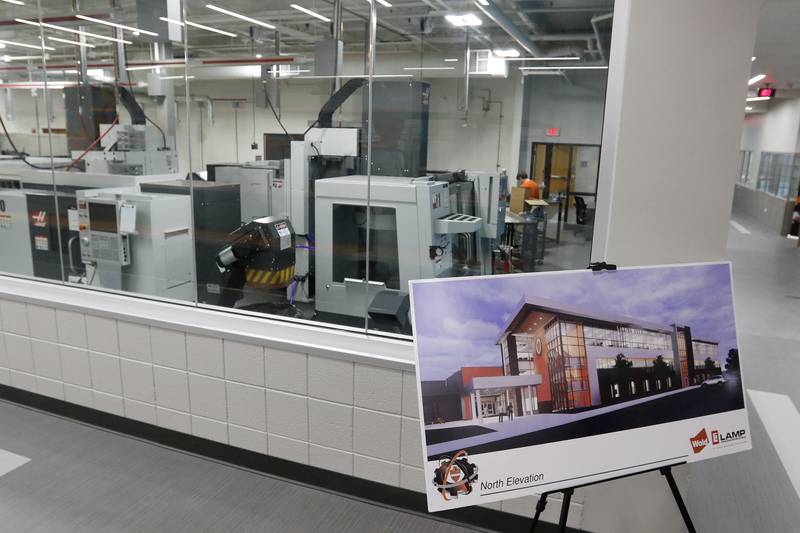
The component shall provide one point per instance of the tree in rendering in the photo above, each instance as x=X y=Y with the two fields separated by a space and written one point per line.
x=710 y=364
x=732 y=361
x=623 y=369
x=661 y=368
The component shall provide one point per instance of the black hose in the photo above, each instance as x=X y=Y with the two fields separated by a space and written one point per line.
x=21 y=155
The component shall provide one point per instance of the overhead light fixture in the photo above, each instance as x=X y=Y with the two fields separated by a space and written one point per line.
x=136 y=31
x=384 y=3
x=429 y=68
x=151 y=67
x=451 y=60
x=239 y=16
x=755 y=79
x=259 y=56
x=67 y=41
x=209 y=28
x=568 y=67
x=309 y=12
x=483 y=2
x=565 y=58
x=748 y=108
x=353 y=76
x=8 y=58
x=758 y=98
x=33 y=46
x=15 y=2
x=171 y=21
x=752 y=59
x=506 y=52
x=459 y=21
x=175 y=77
x=70 y=30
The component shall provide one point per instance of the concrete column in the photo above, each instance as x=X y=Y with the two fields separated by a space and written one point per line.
x=478 y=408
x=673 y=120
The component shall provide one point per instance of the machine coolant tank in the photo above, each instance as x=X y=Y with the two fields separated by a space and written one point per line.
x=457 y=223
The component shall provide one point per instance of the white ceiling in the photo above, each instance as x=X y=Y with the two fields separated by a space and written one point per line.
x=777 y=48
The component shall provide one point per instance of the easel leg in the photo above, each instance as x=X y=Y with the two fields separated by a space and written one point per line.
x=540 y=505
x=562 y=520
x=666 y=471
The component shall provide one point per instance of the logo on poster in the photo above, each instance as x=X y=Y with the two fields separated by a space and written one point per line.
x=699 y=441
x=454 y=476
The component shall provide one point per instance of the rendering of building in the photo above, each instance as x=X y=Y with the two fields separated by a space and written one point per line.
x=586 y=359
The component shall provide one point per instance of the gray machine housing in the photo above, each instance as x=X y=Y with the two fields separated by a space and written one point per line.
x=15 y=241
x=155 y=258
x=413 y=227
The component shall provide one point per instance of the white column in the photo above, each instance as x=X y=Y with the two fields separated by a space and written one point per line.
x=677 y=83
x=472 y=404
x=480 y=411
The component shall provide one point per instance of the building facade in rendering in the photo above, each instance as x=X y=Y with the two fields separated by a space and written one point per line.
x=587 y=360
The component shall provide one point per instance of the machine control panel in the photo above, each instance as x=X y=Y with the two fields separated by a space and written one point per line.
x=101 y=230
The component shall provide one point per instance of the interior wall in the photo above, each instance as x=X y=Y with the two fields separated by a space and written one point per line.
x=777 y=130
x=670 y=153
x=19 y=111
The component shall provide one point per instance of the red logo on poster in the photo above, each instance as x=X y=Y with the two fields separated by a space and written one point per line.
x=39 y=219
x=699 y=441
x=715 y=437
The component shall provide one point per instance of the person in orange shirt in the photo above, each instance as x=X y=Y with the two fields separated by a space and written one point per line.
x=527 y=183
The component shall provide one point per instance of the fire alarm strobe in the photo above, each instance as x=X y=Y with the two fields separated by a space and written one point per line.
x=454 y=476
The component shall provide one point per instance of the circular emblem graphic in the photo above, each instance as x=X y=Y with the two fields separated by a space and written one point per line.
x=454 y=476
x=538 y=346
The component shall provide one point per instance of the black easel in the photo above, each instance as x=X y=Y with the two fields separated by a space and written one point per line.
x=665 y=471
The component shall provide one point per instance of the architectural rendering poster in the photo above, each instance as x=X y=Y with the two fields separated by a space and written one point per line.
x=535 y=382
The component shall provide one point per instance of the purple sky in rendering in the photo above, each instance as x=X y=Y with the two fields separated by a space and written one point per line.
x=458 y=321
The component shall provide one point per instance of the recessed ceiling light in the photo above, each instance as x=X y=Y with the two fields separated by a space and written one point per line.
x=451 y=59
x=755 y=79
x=381 y=2
x=239 y=16
x=468 y=19
x=135 y=31
x=309 y=12
x=758 y=98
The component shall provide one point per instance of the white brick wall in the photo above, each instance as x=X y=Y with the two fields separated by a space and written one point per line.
x=349 y=417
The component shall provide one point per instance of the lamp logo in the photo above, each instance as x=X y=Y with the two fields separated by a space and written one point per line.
x=699 y=441
x=455 y=475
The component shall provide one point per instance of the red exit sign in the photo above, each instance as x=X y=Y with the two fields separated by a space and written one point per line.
x=553 y=132
x=766 y=92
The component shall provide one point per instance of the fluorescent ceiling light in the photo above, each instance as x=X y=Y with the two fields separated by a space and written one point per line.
x=753 y=58
x=542 y=73
x=381 y=2
x=506 y=52
x=33 y=46
x=209 y=28
x=483 y=2
x=18 y=58
x=755 y=79
x=353 y=76
x=309 y=12
x=758 y=98
x=70 y=30
x=151 y=67
x=175 y=77
x=463 y=20
x=451 y=60
x=570 y=67
x=748 y=108
x=565 y=58
x=239 y=16
x=259 y=56
x=15 y=2
x=429 y=68
x=67 y=41
x=136 y=31
x=171 y=21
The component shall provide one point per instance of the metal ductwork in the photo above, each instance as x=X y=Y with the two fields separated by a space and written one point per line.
x=600 y=46
x=496 y=14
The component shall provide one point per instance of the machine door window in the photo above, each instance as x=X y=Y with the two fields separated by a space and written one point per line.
x=350 y=244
